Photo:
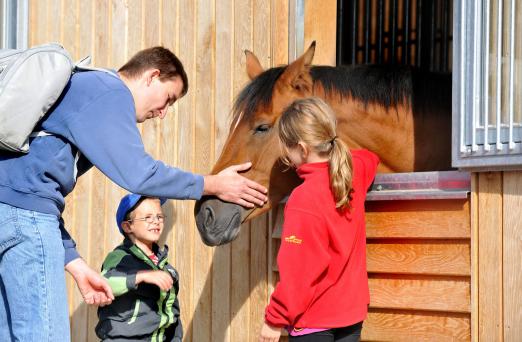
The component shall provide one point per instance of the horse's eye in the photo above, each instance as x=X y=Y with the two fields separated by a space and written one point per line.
x=262 y=129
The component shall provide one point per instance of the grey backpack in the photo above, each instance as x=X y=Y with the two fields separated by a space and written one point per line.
x=31 y=81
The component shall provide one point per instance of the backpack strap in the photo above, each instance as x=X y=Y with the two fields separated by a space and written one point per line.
x=39 y=134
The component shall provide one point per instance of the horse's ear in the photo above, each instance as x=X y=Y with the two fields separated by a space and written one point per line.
x=253 y=66
x=296 y=68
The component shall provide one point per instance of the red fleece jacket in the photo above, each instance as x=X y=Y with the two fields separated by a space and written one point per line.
x=322 y=258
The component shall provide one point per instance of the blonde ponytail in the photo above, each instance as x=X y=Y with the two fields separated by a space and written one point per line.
x=313 y=122
x=341 y=174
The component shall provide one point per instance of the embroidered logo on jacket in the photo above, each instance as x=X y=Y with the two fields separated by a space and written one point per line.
x=293 y=239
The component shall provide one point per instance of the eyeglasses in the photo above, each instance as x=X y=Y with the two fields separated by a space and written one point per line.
x=150 y=218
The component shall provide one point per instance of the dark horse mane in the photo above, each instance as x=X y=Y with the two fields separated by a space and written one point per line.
x=385 y=85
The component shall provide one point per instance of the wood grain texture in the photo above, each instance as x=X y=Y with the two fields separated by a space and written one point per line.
x=405 y=257
x=398 y=325
x=512 y=256
x=203 y=149
x=186 y=237
x=490 y=257
x=418 y=219
x=321 y=25
x=451 y=294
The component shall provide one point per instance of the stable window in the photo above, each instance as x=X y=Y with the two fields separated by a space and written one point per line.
x=403 y=32
x=13 y=24
x=487 y=83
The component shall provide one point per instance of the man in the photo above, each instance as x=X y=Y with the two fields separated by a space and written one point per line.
x=93 y=123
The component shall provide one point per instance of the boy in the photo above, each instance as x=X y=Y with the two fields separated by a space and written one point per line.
x=145 y=286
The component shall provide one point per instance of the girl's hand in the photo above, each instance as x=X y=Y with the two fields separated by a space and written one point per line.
x=269 y=333
x=161 y=279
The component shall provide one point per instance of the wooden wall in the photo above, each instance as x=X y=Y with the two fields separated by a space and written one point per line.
x=497 y=233
x=418 y=259
x=223 y=290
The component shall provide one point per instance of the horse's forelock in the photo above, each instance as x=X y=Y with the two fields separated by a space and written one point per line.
x=256 y=94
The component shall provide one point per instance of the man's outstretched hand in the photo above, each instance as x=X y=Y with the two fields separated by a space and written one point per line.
x=230 y=186
x=93 y=287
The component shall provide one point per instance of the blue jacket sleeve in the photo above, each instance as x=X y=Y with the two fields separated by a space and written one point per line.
x=106 y=133
x=68 y=244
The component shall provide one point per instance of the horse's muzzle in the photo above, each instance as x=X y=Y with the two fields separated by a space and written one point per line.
x=218 y=222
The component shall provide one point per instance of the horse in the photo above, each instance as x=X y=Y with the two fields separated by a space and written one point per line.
x=400 y=113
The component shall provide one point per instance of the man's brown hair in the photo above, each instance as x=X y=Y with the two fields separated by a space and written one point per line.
x=159 y=58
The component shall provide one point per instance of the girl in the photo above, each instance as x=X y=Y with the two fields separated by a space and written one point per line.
x=323 y=292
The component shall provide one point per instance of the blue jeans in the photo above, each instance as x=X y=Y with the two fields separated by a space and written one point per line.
x=33 y=300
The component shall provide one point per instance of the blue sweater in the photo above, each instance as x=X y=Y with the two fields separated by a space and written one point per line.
x=95 y=115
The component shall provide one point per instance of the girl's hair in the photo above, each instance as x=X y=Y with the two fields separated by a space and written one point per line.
x=312 y=122
x=159 y=58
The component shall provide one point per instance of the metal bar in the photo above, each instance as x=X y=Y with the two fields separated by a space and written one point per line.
x=499 y=74
x=444 y=37
x=419 y=33
x=295 y=28
x=432 y=36
x=354 y=32
x=420 y=185
x=394 y=30
x=339 y=53
x=380 y=37
x=511 y=74
x=462 y=68
x=406 y=40
x=477 y=51
x=367 y=28
x=485 y=95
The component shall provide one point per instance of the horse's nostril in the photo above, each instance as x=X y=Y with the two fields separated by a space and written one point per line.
x=209 y=217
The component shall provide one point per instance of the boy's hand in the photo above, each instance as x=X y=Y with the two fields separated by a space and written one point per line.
x=93 y=287
x=269 y=333
x=161 y=279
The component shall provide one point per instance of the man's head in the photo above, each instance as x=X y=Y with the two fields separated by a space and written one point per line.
x=156 y=79
x=140 y=218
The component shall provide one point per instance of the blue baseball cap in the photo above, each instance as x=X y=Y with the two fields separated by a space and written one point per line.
x=127 y=203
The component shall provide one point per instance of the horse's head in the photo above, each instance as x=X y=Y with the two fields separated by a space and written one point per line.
x=253 y=137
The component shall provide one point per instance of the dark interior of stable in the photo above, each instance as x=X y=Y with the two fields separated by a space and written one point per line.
x=399 y=32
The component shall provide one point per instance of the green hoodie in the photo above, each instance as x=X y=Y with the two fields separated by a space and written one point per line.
x=143 y=312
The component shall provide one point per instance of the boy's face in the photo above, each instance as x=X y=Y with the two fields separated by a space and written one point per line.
x=146 y=222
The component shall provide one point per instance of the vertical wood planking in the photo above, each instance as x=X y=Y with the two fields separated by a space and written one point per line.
x=54 y=9
x=261 y=19
x=203 y=154
x=111 y=32
x=69 y=37
x=185 y=234
x=490 y=256
x=240 y=248
x=168 y=128
x=98 y=213
x=279 y=33
x=151 y=32
x=221 y=267
x=474 y=253
x=512 y=256
x=41 y=30
x=258 y=274
x=116 y=58
x=320 y=25
x=82 y=190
